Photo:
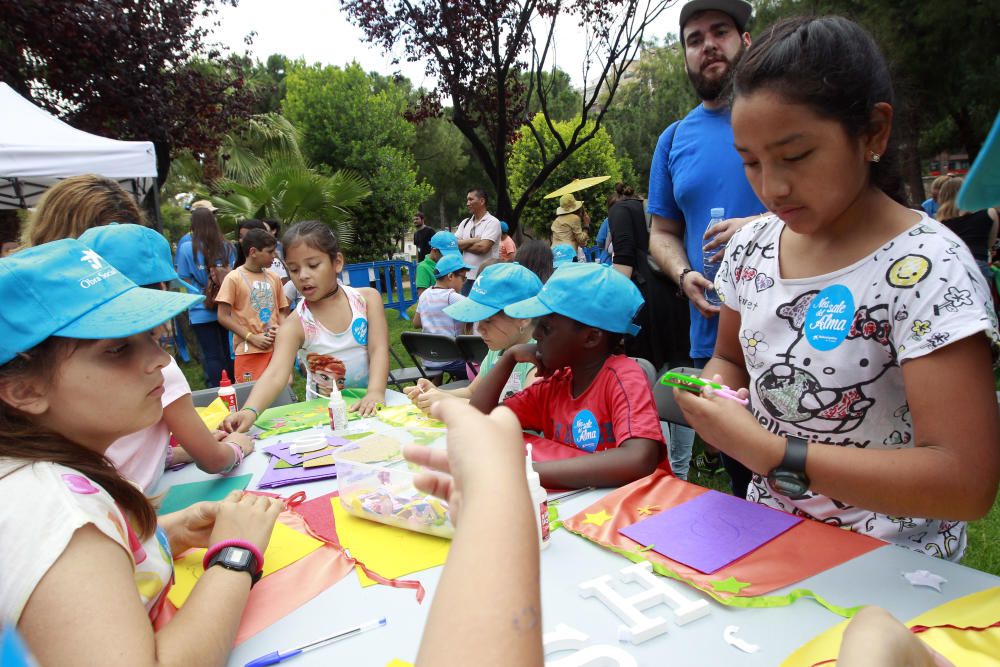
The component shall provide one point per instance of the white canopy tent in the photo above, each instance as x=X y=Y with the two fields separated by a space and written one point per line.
x=37 y=149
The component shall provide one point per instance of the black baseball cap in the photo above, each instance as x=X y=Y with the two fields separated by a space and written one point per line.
x=739 y=10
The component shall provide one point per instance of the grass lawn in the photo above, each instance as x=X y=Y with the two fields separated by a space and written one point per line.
x=983 y=552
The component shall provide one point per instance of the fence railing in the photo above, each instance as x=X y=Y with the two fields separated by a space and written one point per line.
x=396 y=279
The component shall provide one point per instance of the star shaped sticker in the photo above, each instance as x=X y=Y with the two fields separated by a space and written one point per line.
x=730 y=585
x=598 y=519
x=646 y=510
x=925 y=578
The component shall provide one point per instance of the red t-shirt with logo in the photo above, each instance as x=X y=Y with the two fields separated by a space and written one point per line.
x=617 y=406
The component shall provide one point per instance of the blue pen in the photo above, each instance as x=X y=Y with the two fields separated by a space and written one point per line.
x=276 y=657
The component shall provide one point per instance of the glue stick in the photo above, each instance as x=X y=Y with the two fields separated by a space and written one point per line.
x=337 y=409
x=539 y=500
x=227 y=393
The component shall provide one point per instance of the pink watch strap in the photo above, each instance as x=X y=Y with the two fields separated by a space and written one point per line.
x=243 y=544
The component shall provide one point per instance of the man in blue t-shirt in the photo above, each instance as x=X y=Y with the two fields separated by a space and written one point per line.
x=695 y=169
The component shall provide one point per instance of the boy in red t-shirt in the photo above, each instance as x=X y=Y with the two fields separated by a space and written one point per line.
x=588 y=397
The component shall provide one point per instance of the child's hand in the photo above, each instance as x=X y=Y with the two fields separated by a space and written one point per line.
x=246 y=516
x=239 y=422
x=191 y=527
x=525 y=353
x=485 y=456
x=261 y=341
x=244 y=441
x=718 y=420
x=369 y=405
x=424 y=394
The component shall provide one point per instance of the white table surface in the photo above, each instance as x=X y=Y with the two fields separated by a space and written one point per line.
x=874 y=578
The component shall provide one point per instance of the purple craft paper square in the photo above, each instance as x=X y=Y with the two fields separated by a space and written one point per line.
x=282 y=451
x=710 y=531
x=274 y=477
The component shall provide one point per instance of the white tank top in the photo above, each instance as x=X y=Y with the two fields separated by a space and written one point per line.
x=330 y=357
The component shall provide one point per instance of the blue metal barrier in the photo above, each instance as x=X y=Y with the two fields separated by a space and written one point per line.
x=395 y=279
x=592 y=253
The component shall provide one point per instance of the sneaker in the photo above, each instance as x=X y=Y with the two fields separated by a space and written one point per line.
x=708 y=464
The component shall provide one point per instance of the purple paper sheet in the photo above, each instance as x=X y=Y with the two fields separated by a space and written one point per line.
x=710 y=531
x=274 y=477
x=281 y=451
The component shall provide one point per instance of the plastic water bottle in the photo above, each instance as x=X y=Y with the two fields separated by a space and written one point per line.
x=539 y=501
x=337 y=409
x=711 y=268
x=227 y=393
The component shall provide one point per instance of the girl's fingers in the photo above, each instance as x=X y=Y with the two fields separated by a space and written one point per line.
x=435 y=459
x=434 y=483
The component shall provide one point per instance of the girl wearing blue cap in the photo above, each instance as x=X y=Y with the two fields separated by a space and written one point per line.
x=86 y=564
x=861 y=328
x=497 y=286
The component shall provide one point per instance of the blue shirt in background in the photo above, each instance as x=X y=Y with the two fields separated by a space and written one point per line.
x=195 y=272
x=695 y=169
x=930 y=207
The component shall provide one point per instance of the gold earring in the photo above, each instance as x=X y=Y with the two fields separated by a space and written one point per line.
x=876 y=157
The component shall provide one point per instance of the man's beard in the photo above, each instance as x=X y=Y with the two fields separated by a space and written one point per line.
x=709 y=90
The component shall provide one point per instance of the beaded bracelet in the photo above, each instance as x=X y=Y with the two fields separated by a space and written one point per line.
x=237 y=457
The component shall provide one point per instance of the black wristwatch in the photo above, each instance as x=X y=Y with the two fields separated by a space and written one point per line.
x=239 y=560
x=790 y=478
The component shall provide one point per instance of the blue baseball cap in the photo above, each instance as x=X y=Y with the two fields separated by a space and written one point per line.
x=496 y=287
x=450 y=263
x=562 y=254
x=446 y=242
x=504 y=227
x=139 y=252
x=982 y=183
x=64 y=288
x=592 y=294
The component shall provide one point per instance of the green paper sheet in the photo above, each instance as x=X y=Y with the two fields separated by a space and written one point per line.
x=180 y=496
x=306 y=414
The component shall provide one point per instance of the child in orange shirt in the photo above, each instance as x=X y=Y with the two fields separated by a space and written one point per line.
x=252 y=305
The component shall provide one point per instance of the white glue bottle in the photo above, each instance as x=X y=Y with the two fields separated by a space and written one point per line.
x=539 y=500
x=227 y=393
x=337 y=409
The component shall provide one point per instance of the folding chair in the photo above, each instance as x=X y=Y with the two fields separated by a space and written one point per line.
x=647 y=368
x=423 y=347
x=666 y=406
x=472 y=347
x=204 y=397
x=403 y=374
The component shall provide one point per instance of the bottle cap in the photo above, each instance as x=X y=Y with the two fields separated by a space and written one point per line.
x=224 y=382
x=534 y=480
x=718 y=213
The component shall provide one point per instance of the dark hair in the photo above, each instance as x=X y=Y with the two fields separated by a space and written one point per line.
x=314 y=234
x=207 y=239
x=479 y=192
x=248 y=224
x=621 y=193
x=418 y=214
x=833 y=66
x=272 y=225
x=25 y=440
x=258 y=239
x=536 y=256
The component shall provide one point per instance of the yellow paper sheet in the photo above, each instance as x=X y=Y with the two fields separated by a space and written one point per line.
x=396 y=662
x=319 y=461
x=386 y=550
x=213 y=413
x=286 y=547
x=968 y=649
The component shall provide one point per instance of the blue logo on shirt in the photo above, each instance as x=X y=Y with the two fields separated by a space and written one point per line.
x=359 y=328
x=828 y=320
x=264 y=315
x=586 y=432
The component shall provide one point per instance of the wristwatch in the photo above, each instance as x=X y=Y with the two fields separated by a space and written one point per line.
x=238 y=559
x=790 y=478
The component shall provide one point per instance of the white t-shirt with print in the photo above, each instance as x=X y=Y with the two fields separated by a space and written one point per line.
x=824 y=353
x=44 y=504
x=335 y=357
x=141 y=456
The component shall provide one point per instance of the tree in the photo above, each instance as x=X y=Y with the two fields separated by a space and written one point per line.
x=350 y=120
x=646 y=104
x=481 y=52
x=595 y=158
x=127 y=69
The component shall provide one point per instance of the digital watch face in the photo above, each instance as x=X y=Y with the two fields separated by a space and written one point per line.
x=236 y=557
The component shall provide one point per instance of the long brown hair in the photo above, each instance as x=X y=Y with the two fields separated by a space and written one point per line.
x=207 y=238
x=71 y=207
x=948 y=199
x=24 y=440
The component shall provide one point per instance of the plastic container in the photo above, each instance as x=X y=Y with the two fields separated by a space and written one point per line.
x=384 y=492
x=539 y=501
x=710 y=268
x=227 y=393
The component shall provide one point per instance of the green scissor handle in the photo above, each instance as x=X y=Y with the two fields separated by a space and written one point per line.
x=687 y=382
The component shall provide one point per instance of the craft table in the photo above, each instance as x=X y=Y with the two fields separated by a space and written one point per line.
x=874 y=578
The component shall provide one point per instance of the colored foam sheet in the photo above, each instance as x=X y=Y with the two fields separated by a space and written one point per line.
x=318 y=515
x=282 y=450
x=300 y=416
x=286 y=546
x=386 y=550
x=180 y=496
x=710 y=531
x=318 y=462
x=281 y=473
x=408 y=416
